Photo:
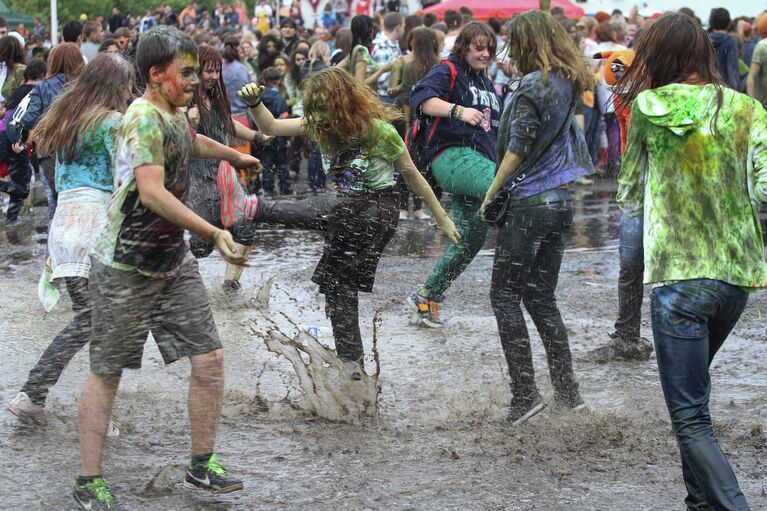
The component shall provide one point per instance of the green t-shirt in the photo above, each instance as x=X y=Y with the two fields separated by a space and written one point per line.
x=350 y=167
x=361 y=52
x=136 y=238
x=698 y=188
x=760 y=57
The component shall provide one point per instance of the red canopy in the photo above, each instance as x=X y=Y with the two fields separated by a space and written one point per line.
x=501 y=9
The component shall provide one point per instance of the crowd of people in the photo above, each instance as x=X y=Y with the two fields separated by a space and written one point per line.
x=191 y=122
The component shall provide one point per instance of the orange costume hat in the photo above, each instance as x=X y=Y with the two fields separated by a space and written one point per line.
x=615 y=66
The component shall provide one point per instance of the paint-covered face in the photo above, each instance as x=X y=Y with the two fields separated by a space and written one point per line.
x=112 y=48
x=209 y=77
x=478 y=56
x=122 y=42
x=270 y=48
x=280 y=64
x=178 y=80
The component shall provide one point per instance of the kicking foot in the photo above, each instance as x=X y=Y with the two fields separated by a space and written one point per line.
x=236 y=205
x=93 y=495
x=522 y=410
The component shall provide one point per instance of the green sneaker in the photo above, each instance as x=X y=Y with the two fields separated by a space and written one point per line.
x=211 y=476
x=94 y=495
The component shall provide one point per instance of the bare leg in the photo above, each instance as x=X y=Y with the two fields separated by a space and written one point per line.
x=206 y=393
x=95 y=410
x=234 y=271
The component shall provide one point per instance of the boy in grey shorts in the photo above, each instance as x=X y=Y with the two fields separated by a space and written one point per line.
x=143 y=277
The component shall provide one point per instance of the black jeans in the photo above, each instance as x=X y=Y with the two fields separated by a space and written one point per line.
x=528 y=256
x=20 y=171
x=64 y=346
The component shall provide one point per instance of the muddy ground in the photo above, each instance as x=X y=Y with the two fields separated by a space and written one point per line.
x=439 y=440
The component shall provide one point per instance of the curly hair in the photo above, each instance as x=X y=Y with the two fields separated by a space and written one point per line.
x=339 y=108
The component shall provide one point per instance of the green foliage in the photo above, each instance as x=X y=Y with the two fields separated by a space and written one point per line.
x=71 y=9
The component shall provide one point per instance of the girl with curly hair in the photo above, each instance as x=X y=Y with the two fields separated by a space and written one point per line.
x=359 y=149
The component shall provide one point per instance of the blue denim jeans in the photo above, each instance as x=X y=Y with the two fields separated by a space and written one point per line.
x=630 y=289
x=690 y=321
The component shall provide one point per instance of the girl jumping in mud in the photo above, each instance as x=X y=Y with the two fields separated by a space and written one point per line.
x=696 y=168
x=360 y=149
x=541 y=150
x=83 y=148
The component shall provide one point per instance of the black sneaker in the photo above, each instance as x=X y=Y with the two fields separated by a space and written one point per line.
x=94 y=495
x=522 y=410
x=211 y=476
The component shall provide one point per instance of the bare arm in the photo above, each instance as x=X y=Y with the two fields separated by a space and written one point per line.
x=243 y=132
x=751 y=80
x=416 y=182
x=508 y=165
x=436 y=107
x=150 y=181
x=266 y=122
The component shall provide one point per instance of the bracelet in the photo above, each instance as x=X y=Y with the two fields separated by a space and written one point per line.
x=452 y=110
x=254 y=105
x=459 y=112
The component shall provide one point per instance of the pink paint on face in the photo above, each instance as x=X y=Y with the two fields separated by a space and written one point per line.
x=178 y=80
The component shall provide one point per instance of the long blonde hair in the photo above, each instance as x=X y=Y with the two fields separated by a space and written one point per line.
x=537 y=41
x=102 y=88
x=339 y=108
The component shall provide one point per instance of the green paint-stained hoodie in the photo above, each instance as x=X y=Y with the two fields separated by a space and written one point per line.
x=698 y=187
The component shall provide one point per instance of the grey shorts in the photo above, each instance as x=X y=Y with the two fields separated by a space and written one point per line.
x=128 y=305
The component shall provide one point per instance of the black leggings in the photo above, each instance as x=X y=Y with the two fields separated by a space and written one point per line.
x=352 y=256
x=64 y=346
x=528 y=256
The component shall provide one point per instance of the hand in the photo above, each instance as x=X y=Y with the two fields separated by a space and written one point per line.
x=485 y=202
x=251 y=93
x=224 y=243
x=267 y=139
x=248 y=163
x=447 y=227
x=472 y=116
x=193 y=114
x=19 y=147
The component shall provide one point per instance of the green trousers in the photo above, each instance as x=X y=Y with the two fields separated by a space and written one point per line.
x=466 y=175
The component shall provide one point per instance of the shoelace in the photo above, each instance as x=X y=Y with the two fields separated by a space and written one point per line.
x=100 y=490
x=214 y=466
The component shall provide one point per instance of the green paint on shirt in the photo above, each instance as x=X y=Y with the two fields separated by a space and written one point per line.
x=698 y=186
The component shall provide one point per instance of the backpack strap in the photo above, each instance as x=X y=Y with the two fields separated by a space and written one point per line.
x=453 y=76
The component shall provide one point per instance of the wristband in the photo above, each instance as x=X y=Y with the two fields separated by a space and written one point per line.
x=452 y=110
x=254 y=105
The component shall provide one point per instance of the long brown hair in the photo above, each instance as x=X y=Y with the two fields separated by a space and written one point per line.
x=210 y=60
x=675 y=48
x=425 y=48
x=104 y=87
x=11 y=52
x=65 y=58
x=537 y=41
x=339 y=108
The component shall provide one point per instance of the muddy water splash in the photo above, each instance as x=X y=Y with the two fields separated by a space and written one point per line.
x=326 y=389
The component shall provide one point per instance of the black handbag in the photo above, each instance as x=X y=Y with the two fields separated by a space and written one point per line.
x=496 y=209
